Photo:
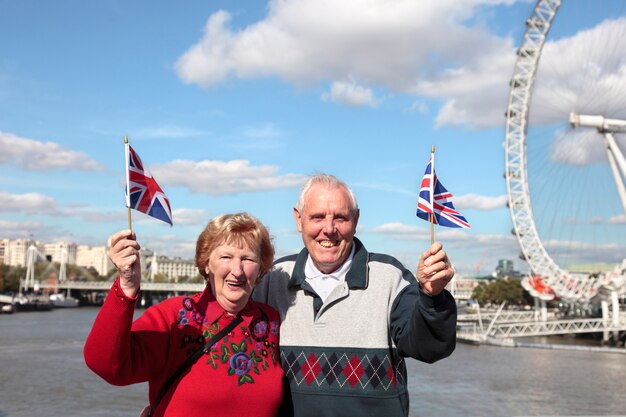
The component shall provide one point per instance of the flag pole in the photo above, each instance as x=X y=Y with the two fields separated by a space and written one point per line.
x=432 y=213
x=130 y=226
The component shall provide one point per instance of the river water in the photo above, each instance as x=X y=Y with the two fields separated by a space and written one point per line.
x=43 y=374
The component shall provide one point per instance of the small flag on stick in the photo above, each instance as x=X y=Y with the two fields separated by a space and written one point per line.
x=435 y=202
x=142 y=191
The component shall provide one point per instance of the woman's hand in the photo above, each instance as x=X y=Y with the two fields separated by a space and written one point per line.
x=124 y=253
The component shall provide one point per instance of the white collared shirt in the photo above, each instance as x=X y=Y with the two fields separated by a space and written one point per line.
x=324 y=284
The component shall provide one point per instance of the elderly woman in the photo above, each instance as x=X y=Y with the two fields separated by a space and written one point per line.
x=239 y=374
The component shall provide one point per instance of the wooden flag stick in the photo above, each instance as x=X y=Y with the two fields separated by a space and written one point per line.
x=130 y=225
x=432 y=197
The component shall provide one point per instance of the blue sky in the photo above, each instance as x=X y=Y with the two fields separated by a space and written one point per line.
x=232 y=104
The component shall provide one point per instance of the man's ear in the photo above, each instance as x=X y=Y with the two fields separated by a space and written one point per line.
x=298 y=218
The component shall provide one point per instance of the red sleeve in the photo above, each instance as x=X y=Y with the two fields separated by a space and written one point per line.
x=122 y=352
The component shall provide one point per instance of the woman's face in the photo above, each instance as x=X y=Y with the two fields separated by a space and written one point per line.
x=232 y=274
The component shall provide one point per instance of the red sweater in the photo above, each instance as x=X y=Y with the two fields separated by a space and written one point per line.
x=242 y=375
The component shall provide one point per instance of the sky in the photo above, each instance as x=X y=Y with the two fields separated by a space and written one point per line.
x=231 y=105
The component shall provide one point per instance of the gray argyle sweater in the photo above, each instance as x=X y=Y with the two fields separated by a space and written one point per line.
x=345 y=357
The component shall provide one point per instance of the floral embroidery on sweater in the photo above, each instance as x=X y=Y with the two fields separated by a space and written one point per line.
x=251 y=355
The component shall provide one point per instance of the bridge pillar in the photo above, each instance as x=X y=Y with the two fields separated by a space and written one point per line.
x=615 y=322
x=605 y=320
x=541 y=309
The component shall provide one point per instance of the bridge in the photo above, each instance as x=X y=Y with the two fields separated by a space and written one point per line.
x=173 y=287
x=103 y=286
x=505 y=326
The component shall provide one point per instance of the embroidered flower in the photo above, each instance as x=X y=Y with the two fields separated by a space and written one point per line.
x=274 y=327
x=182 y=312
x=259 y=330
x=241 y=363
x=184 y=321
x=188 y=303
x=197 y=317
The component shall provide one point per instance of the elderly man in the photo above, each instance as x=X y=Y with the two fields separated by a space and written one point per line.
x=350 y=317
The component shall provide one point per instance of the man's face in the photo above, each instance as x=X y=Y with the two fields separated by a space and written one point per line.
x=327 y=224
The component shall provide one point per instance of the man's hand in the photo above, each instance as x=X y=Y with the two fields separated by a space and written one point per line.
x=434 y=270
x=124 y=253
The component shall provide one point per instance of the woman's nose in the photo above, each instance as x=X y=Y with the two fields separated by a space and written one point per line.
x=236 y=267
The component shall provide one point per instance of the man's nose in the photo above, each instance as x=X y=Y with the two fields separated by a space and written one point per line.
x=329 y=225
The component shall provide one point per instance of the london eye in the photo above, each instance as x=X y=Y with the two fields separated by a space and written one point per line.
x=564 y=152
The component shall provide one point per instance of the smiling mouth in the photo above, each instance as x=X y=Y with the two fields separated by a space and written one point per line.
x=328 y=243
x=235 y=284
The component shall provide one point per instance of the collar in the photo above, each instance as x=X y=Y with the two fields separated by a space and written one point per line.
x=311 y=271
x=356 y=276
x=213 y=310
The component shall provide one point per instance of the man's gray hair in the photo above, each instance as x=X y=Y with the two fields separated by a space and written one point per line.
x=331 y=182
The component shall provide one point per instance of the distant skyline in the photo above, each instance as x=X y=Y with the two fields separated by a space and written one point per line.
x=232 y=105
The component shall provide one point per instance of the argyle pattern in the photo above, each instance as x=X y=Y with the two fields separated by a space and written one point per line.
x=370 y=371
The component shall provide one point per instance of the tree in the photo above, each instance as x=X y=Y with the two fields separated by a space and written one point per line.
x=3 y=272
x=501 y=290
x=12 y=277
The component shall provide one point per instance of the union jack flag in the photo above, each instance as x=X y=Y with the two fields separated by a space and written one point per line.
x=435 y=199
x=142 y=191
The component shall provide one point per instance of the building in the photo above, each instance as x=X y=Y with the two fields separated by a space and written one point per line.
x=505 y=270
x=462 y=287
x=15 y=252
x=60 y=252
x=172 y=268
x=94 y=257
x=3 y=248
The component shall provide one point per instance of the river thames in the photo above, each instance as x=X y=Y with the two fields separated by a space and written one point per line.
x=43 y=374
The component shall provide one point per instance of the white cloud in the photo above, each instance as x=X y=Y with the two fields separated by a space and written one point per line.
x=171 y=245
x=190 y=216
x=436 y=49
x=376 y=42
x=567 y=253
x=397 y=229
x=264 y=131
x=475 y=94
x=480 y=202
x=620 y=219
x=40 y=204
x=220 y=177
x=350 y=94
x=581 y=147
x=585 y=73
x=30 y=203
x=38 y=156
x=417 y=106
x=17 y=230
x=464 y=247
